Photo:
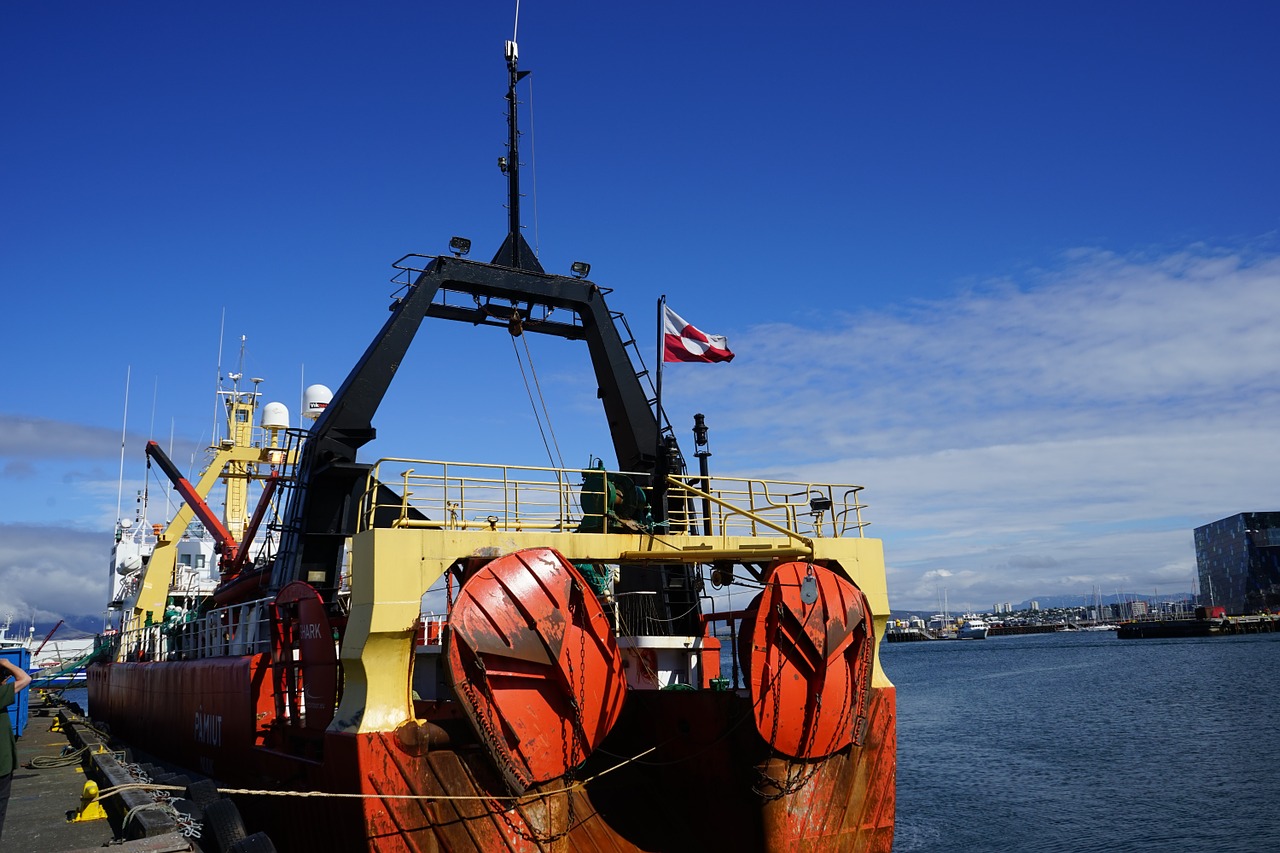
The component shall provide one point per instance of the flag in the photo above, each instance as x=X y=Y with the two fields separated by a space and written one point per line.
x=682 y=342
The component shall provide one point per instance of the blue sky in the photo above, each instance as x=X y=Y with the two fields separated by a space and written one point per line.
x=1014 y=267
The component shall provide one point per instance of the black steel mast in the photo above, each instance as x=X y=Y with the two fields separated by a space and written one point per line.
x=515 y=252
x=324 y=510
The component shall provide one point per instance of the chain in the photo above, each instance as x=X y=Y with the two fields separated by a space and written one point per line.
x=573 y=743
x=795 y=776
x=502 y=758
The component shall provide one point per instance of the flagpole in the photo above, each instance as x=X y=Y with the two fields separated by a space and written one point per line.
x=662 y=303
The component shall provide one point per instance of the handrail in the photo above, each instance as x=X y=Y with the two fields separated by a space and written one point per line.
x=237 y=629
x=753 y=516
x=462 y=496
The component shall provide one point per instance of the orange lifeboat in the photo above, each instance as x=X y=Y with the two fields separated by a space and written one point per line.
x=809 y=661
x=535 y=664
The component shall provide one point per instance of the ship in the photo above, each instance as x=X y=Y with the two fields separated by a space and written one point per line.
x=972 y=628
x=574 y=684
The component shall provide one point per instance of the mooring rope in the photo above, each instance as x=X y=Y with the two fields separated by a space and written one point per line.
x=258 y=792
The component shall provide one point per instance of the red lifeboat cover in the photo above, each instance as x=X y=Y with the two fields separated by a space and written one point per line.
x=810 y=661
x=535 y=664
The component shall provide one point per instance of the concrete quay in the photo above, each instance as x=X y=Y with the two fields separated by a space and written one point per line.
x=1148 y=629
x=57 y=755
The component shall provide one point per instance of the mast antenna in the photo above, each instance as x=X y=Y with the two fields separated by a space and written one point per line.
x=515 y=251
x=217 y=386
x=124 y=434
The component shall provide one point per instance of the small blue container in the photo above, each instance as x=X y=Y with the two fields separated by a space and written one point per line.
x=20 y=658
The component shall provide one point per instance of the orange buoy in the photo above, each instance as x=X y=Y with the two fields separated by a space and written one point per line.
x=810 y=653
x=535 y=664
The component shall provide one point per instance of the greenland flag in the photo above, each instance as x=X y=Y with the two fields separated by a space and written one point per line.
x=682 y=342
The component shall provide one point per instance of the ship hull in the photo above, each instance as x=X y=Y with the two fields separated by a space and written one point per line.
x=711 y=783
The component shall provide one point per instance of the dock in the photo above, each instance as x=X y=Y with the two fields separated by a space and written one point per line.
x=1017 y=630
x=1148 y=629
x=906 y=635
x=57 y=755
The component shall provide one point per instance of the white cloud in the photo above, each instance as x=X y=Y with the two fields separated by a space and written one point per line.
x=1029 y=437
x=53 y=572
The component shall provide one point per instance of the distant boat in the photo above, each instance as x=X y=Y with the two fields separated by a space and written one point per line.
x=1098 y=623
x=7 y=642
x=972 y=628
x=906 y=631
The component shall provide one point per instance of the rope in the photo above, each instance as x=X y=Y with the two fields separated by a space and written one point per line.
x=45 y=762
x=546 y=413
x=533 y=168
x=537 y=418
x=258 y=792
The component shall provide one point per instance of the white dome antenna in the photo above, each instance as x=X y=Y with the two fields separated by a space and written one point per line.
x=314 y=401
x=275 y=416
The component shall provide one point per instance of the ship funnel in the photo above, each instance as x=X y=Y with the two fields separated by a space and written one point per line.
x=314 y=401
x=275 y=416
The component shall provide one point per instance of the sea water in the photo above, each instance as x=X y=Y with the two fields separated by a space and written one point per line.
x=1084 y=742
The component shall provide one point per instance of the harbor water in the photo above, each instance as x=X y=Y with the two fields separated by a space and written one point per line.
x=1083 y=742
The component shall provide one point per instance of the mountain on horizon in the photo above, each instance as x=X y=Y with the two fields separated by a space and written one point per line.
x=1048 y=602
x=1051 y=602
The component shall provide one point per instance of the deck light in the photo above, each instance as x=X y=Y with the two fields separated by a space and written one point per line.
x=579 y=269
x=459 y=246
x=819 y=504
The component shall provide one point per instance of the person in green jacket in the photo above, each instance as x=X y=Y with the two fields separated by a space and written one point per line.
x=9 y=691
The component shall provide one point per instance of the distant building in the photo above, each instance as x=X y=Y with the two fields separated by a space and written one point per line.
x=1035 y=605
x=1238 y=559
x=1138 y=608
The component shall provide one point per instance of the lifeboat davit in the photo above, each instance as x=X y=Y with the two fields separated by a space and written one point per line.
x=811 y=642
x=535 y=664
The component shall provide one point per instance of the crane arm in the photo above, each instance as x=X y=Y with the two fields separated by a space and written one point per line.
x=226 y=542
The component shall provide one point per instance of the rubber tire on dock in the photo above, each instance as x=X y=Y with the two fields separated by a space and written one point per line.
x=223 y=825
x=192 y=810
x=256 y=843
x=177 y=780
x=202 y=792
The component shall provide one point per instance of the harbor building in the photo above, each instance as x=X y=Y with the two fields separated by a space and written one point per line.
x=1238 y=561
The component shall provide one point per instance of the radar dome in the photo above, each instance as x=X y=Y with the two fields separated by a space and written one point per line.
x=314 y=401
x=275 y=416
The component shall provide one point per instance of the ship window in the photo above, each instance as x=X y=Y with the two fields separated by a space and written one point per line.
x=184 y=559
x=200 y=561
x=242 y=416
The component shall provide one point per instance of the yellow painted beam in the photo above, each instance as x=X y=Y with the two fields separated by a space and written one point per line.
x=391 y=569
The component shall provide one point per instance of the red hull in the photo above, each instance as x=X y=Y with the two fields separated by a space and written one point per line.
x=713 y=783
x=204 y=714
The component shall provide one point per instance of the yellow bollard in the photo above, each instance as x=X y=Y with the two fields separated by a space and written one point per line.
x=90 y=808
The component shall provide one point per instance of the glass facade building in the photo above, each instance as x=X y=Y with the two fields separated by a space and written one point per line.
x=1238 y=560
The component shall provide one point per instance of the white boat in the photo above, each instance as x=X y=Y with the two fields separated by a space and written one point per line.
x=972 y=628
x=17 y=642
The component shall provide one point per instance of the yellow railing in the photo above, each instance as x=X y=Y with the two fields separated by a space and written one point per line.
x=738 y=506
x=475 y=496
